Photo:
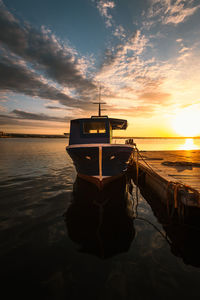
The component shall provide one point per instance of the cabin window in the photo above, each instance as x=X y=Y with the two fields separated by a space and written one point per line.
x=94 y=127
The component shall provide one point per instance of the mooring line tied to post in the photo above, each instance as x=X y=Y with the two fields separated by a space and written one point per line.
x=178 y=195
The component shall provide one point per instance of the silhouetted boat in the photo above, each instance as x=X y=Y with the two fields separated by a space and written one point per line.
x=95 y=158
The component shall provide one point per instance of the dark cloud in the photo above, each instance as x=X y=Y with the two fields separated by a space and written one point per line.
x=33 y=116
x=43 y=50
x=6 y=120
x=55 y=107
x=18 y=78
x=16 y=116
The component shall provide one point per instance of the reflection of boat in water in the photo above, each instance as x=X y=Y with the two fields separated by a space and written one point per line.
x=100 y=221
x=95 y=158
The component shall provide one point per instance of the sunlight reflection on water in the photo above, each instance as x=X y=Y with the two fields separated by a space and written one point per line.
x=163 y=144
x=189 y=145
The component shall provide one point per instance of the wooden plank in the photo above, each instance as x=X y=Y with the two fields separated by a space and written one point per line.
x=187 y=174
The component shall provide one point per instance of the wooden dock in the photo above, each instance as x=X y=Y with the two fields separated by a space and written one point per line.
x=178 y=166
x=171 y=176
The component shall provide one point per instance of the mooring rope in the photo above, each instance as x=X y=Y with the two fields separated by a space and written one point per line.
x=176 y=185
x=178 y=205
x=155 y=227
x=136 y=217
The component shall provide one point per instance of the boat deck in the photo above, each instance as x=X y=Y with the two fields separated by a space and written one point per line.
x=179 y=166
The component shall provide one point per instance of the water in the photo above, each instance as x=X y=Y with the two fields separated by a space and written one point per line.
x=164 y=144
x=57 y=242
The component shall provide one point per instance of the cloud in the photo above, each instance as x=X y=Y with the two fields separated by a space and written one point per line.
x=172 y=12
x=135 y=81
x=104 y=6
x=55 y=107
x=33 y=116
x=119 y=32
x=132 y=82
x=8 y=120
x=141 y=111
x=155 y=97
x=2 y=108
x=20 y=79
x=123 y=64
x=19 y=117
x=125 y=52
x=44 y=52
x=185 y=53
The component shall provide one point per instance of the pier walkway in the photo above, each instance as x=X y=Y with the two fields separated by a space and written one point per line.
x=179 y=166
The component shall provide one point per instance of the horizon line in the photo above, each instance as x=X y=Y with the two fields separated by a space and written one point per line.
x=114 y=137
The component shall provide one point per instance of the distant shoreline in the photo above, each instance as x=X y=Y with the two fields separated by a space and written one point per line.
x=66 y=135
x=158 y=138
x=23 y=135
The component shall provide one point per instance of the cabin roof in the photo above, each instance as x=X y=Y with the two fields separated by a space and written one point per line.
x=116 y=124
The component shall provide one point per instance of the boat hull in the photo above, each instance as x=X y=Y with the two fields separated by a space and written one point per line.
x=100 y=163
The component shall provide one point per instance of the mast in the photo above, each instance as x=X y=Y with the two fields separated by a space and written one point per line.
x=99 y=103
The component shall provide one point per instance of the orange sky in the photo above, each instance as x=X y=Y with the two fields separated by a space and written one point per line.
x=146 y=59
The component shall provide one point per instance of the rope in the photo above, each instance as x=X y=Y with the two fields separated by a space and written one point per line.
x=142 y=158
x=178 y=205
x=135 y=215
x=137 y=176
x=155 y=227
x=176 y=186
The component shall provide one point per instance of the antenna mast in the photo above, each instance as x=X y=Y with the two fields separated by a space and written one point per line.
x=99 y=103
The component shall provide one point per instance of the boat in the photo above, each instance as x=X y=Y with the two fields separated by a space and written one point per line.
x=90 y=147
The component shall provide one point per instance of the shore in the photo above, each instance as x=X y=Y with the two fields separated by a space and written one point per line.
x=23 y=135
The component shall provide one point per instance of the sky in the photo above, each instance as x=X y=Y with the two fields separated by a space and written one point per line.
x=54 y=56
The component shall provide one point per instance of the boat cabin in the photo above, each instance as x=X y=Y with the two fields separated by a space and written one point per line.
x=94 y=130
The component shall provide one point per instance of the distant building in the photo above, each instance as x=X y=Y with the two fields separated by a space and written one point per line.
x=1 y=133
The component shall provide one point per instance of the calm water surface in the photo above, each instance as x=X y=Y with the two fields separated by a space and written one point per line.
x=165 y=144
x=57 y=242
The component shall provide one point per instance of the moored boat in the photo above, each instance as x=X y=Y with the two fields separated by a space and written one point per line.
x=95 y=158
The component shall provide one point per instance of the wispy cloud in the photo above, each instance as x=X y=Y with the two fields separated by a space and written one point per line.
x=125 y=53
x=172 y=12
x=154 y=96
x=55 y=107
x=124 y=70
x=104 y=7
x=3 y=109
x=119 y=32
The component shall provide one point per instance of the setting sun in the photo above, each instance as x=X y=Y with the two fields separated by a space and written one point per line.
x=187 y=122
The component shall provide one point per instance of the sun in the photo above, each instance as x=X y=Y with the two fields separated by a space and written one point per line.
x=187 y=122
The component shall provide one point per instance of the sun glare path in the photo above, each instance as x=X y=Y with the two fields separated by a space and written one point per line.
x=189 y=145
